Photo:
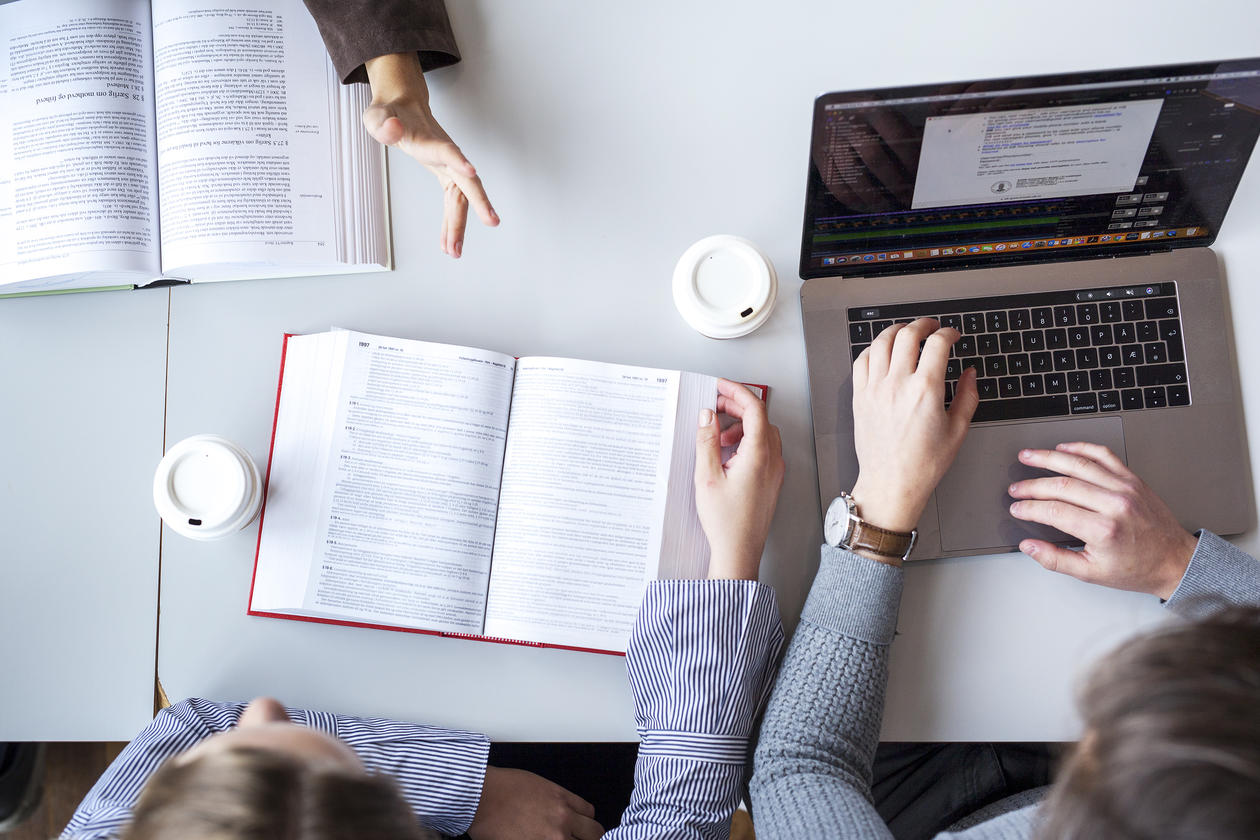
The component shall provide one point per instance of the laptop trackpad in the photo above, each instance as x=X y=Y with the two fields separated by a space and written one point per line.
x=972 y=501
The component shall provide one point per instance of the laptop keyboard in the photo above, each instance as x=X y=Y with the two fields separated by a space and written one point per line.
x=1055 y=354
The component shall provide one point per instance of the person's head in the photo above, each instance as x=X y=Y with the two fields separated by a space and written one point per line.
x=1172 y=739
x=270 y=778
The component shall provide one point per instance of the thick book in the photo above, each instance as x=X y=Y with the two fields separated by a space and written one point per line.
x=180 y=140
x=459 y=491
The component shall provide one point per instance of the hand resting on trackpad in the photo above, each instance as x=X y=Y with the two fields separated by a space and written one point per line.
x=972 y=501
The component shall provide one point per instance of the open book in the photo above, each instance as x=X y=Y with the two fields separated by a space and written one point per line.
x=180 y=139
x=452 y=490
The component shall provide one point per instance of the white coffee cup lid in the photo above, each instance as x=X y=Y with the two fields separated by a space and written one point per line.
x=724 y=286
x=207 y=487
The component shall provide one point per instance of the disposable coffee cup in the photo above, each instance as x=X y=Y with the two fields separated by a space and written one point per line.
x=207 y=487
x=724 y=286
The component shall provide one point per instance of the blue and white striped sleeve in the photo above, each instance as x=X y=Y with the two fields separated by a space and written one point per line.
x=107 y=806
x=701 y=661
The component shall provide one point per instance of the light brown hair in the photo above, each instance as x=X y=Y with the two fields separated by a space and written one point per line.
x=1172 y=745
x=256 y=794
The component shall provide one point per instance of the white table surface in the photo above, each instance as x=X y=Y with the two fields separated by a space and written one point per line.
x=608 y=143
x=81 y=395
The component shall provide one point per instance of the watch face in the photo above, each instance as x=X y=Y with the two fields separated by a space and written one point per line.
x=836 y=523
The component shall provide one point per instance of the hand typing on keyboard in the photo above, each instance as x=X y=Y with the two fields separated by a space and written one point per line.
x=1132 y=540
x=904 y=436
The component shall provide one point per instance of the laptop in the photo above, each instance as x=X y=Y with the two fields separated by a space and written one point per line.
x=1062 y=224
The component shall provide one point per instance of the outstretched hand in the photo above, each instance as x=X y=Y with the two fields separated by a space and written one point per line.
x=736 y=500
x=1132 y=540
x=904 y=437
x=520 y=805
x=400 y=116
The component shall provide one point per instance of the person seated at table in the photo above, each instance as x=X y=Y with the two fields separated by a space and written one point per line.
x=1172 y=734
x=701 y=661
x=390 y=44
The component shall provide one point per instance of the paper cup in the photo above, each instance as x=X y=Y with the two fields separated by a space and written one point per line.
x=724 y=287
x=206 y=487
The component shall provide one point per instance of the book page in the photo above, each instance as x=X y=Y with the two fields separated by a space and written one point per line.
x=405 y=463
x=581 y=514
x=247 y=105
x=78 y=178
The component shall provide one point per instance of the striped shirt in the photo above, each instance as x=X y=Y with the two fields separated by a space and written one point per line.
x=701 y=662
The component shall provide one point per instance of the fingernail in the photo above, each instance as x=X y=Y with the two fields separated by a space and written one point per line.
x=1014 y=509
x=1025 y=453
x=1028 y=548
x=1010 y=491
x=706 y=417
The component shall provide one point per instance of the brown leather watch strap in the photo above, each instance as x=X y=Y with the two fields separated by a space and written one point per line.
x=879 y=541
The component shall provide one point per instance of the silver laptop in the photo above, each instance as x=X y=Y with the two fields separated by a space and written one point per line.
x=1061 y=224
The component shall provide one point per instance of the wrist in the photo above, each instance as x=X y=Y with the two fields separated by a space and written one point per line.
x=887 y=509
x=734 y=565
x=397 y=77
x=1174 y=569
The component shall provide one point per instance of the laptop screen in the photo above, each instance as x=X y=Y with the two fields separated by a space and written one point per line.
x=1032 y=169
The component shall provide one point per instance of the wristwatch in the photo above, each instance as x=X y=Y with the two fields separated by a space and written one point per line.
x=844 y=528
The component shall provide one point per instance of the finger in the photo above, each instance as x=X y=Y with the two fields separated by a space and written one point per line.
x=966 y=401
x=744 y=404
x=445 y=225
x=905 y=351
x=456 y=213
x=733 y=434
x=1085 y=525
x=860 y=373
x=1099 y=453
x=708 y=449
x=577 y=803
x=585 y=828
x=880 y=352
x=1076 y=466
x=449 y=155
x=935 y=353
x=1082 y=494
x=470 y=186
x=1056 y=559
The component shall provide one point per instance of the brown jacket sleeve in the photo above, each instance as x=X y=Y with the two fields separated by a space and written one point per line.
x=356 y=30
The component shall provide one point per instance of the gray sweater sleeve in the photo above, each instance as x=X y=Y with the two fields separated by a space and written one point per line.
x=1220 y=575
x=812 y=766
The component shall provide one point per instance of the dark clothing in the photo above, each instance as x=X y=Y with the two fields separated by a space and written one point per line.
x=357 y=30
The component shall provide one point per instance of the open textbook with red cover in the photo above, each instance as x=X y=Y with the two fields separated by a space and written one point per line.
x=453 y=490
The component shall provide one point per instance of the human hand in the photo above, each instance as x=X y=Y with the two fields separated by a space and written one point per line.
x=904 y=437
x=399 y=116
x=1132 y=540
x=736 y=500
x=520 y=805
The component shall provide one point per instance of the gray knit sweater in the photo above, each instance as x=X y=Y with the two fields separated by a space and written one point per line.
x=812 y=768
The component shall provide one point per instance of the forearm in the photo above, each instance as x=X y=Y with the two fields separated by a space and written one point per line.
x=812 y=768
x=355 y=31
x=1220 y=575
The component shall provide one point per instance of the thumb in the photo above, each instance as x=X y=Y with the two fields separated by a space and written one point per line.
x=1055 y=559
x=708 y=448
x=383 y=125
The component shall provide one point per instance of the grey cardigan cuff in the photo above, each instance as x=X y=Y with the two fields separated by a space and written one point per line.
x=855 y=596
x=1219 y=575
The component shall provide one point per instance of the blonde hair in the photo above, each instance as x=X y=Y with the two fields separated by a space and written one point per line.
x=248 y=793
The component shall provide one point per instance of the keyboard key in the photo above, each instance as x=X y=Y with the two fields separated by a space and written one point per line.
x=949 y=392
x=1148 y=331
x=1087 y=313
x=997 y=322
x=858 y=348
x=995 y=366
x=1008 y=386
x=1021 y=409
x=1100 y=380
x=1034 y=340
x=953 y=369
x=1042 y=318
x=1131 y=399
x=1109 y=312
x=1100 y=335
x=1178 y=395
x=965 y=346
x=1170 y=332
x=879 y=326
x=860 y=333
x=973 y=322
x=1154 y=397
x=1161 y=307
x=1123 y=377
x=1064 y=360
x=1131 y=354
x=1017 y=364
x=1019 y=319
x=1009 y=342
x=1125 y=334
x=1109 y=401
x=1078 y=380
x=1133 y=311
x=1154 y=353
x=1031 y=386
x=1084 y=403
x=988 y=388
x=1087 y=357
x=1109 y=356
x=1078 y=337
x=1056 y=383
x=988 y=344
x=1161 y=375
x=1056 y=339
x=1065 y=316
x=1041 y=362
x=973 y=362
x=954 y=321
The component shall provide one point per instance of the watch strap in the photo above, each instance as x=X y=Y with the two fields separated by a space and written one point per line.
x=881 y=541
